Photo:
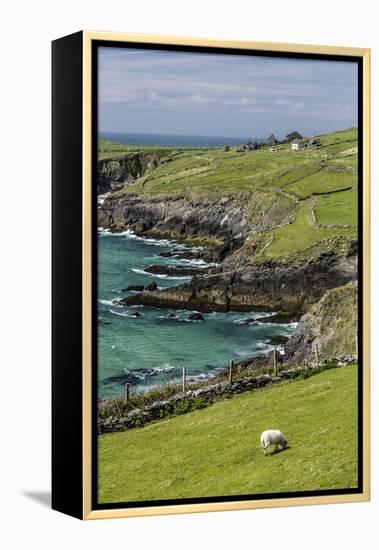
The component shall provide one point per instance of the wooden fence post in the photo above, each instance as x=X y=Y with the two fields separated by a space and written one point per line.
x=316 y=355
x=231 y=366
x=184 y=379
x=275 y=364
x=126 y=394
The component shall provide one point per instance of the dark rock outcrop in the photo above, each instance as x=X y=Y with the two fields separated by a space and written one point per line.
x=278 y=340
x=268 y=287
x=151 y=286
x=173 y=271
x=135 y=314
x=115 y=172
x=136 y=288
x=279 y=317
x=195 y=317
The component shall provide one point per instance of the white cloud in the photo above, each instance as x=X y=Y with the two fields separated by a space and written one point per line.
x=288 y=103
x=178 y=82
x=241 y=101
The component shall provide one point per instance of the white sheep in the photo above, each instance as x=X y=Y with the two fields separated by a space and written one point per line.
x=272 y=437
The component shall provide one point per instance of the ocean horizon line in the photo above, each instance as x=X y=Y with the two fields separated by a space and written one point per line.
x=191 y=140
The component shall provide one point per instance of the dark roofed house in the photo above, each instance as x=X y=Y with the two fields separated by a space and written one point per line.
x=293 y=135
x=272 y=140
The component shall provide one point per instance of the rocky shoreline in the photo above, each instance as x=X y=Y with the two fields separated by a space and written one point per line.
x=237 y=283
x=234 y=281
x=267 y=287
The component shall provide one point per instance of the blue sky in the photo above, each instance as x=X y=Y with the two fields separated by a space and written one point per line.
x=163 y=92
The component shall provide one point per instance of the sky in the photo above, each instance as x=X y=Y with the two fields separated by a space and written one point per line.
x=185 y=93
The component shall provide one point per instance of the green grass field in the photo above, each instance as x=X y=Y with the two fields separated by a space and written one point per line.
x=111 y=150
x=303 y=233
x=216 y=451
x=214 y=172
x=277 y=184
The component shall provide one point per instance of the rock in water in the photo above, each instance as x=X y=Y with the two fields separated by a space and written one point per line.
x=172 y=271
x=280 y=317
x=195 y=317
x=152 y=286
x=135 y=314
x=138 y=288
x=278 y=340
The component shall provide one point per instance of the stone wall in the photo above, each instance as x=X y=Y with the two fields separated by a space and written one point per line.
x=202 y=397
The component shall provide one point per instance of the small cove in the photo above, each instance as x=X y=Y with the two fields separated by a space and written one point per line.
x=147 y=346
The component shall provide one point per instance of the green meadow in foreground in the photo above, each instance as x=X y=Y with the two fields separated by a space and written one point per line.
x=216 y=451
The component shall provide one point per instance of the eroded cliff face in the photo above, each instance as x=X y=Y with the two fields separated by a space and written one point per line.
x=178 y=218
x=115 y=173
x=331 y=324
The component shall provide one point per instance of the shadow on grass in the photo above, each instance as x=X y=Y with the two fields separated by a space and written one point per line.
x=279 y=451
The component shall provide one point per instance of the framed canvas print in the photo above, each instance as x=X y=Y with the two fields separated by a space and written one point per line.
x=210 y=275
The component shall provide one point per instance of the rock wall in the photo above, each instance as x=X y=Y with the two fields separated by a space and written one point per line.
x=202 y=397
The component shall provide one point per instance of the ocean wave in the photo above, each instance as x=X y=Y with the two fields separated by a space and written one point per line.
x=159 y=276
x=150 y=241
x=266 y=348
x=166 y=367
x=112 y=302
x=124 y=314
x=292 y=325
x=253 y=320
x=179 y=319
x=127 y=233
x=143 y=374
x=198 y=262
x=101 y=198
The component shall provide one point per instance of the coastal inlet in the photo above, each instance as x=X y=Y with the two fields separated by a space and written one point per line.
x=148 y=347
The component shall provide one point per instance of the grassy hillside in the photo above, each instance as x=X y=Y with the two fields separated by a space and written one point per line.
x=330 y=167
x=311 y=193
x=110 y=150
x=216 y=451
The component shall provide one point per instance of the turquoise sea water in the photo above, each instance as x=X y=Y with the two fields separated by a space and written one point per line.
x=151 y=349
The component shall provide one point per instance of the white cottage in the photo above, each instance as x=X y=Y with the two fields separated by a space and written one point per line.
x=296 y=144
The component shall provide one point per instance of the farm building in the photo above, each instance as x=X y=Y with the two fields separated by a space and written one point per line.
x=272 y=140
x=293 y=135
x=296 y=144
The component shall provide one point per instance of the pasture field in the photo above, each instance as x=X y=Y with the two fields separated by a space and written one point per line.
x=216 y=451
x=311 y=194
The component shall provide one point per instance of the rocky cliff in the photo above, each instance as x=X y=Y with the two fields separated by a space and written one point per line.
x=331 y=324
x=178 y=217
x=116 y=172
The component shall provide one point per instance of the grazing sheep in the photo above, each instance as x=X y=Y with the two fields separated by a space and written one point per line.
x=272 y=437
